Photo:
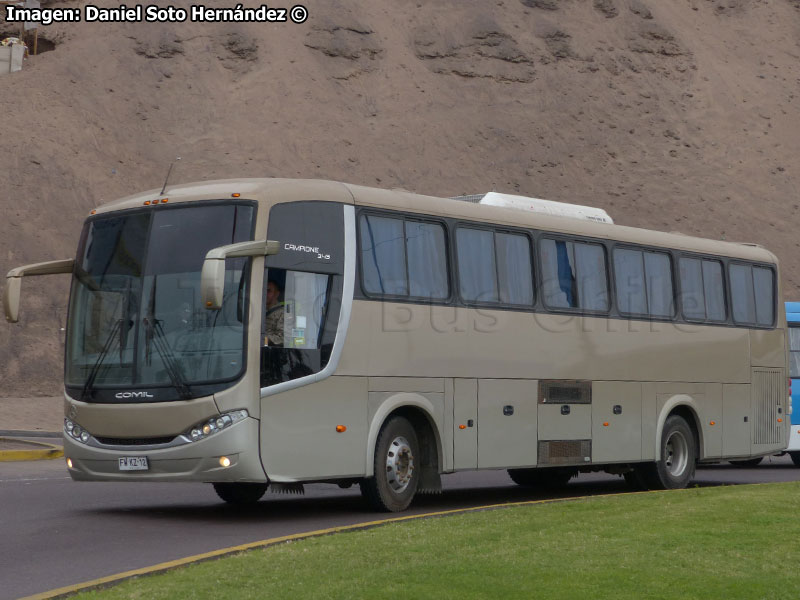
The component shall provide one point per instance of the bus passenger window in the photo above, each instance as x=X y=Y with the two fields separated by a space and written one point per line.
x=765 y=303
x=702 y=290
x=401 y=257
x=383 y=256
x=629 y=275
x=574 y=275
x=644 y=283
x=476 y=265
x=427 y=260
x=514 y=271
x=752 y=294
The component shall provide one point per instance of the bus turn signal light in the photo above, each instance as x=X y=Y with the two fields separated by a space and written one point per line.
x=712 y=423
x=341 y=428
x=780 y=420
x=235 y=195
x=605 y=424
x=462 y=426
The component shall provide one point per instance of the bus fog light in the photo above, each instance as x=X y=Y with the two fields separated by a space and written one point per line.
x=224 y=461
x=69 y=463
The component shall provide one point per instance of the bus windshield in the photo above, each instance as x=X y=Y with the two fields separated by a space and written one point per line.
x=136 y=318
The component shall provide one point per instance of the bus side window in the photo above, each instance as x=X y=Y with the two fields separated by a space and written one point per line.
x=752 y=294
x=574 y=275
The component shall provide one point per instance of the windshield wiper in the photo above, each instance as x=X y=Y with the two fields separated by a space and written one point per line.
x=154 y=332
x=89 y=384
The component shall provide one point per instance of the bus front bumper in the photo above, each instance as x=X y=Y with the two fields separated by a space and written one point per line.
x=203 y=460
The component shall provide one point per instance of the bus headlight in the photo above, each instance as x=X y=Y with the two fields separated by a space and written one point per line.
x=215 y=424
x=76 y=432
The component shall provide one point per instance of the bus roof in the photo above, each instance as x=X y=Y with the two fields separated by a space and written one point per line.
x=287 y=190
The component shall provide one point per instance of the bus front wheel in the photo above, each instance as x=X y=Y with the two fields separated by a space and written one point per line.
x=678 y=455
x=240 y=493
x=795 y=456
x=397 y=461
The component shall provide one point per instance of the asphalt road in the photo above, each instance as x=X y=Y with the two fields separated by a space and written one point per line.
x=55 y=532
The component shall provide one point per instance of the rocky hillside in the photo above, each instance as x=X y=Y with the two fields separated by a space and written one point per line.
x=680 y=115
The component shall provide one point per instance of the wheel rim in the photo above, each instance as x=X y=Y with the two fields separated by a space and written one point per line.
x=399 y=464
x=676 y=454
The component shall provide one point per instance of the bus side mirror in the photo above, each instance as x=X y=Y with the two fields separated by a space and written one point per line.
x=212 y=278
x=11 y=292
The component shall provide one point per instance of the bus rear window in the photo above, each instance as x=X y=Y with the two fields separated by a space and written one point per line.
x=752 y=295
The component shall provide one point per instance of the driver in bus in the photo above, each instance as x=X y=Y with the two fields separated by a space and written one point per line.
x=274 y=318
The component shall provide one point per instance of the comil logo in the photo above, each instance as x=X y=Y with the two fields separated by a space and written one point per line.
x=126 y=395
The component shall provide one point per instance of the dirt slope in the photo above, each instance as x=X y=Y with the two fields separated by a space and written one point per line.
x=680 y=115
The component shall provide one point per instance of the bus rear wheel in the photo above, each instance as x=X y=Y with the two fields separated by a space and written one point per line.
x=240 y=493
x=676 y=467
x=795 y=456
x=397 y=461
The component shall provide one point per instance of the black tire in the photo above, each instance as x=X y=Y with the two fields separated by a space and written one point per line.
x=676 y=467
x=795 y=456
x=240 y=493
x=545 y=478
x=397 y=467
x=749 y=462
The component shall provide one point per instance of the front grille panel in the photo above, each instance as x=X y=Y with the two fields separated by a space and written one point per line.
x=134 y=441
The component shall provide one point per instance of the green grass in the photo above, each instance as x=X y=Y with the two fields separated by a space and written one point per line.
x=716 y=543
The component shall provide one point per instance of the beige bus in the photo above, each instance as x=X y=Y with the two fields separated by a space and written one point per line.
x=273 y=332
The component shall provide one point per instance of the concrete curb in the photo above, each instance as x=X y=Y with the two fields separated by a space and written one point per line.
x=25 y=433
x=33 y=451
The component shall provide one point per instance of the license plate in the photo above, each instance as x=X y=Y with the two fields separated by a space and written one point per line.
x=133 y=463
